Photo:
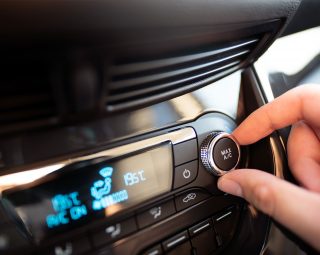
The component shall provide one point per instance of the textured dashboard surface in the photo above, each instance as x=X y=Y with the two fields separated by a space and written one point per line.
x=50 y=18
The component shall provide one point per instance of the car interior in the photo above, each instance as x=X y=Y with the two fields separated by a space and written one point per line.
x=116 y=121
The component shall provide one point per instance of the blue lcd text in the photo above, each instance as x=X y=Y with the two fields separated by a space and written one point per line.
x=68 y=207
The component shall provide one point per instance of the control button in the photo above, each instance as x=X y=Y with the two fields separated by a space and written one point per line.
x=204 y=243
x=77 y=246
x=155 y=214
x=189 y=198
x=200 y=227
x=184 y=249
x=220 y=153
x=156 y=250
x=175 y=241
x=225 y=224
x=114 y=232
x=185 y=152
x=185 y=174
x=226 y=154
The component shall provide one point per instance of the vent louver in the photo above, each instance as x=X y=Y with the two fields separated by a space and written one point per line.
x=138 y=83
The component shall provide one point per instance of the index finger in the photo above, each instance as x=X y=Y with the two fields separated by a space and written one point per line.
x=302 y=103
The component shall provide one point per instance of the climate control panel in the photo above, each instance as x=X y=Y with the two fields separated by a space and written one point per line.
x=114 y=200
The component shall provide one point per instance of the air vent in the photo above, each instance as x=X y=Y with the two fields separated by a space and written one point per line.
x=25 y=95
x=138 y=83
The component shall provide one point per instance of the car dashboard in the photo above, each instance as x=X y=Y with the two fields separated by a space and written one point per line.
x=106 y=108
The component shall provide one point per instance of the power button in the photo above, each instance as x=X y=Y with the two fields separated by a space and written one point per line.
x=220 y=153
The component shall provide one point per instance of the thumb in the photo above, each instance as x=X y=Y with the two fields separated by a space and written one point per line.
x=294 y=207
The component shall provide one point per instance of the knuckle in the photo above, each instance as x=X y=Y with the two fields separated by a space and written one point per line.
x=264 y=199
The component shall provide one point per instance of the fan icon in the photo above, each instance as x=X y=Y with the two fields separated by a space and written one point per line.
x=102 y=188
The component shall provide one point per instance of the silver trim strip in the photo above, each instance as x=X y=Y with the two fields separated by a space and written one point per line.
x=223 y=216
x=154 y=253
x=176 y=241
x=262 y=75
x=30 y=175
x=277 y=158
x=202 y=227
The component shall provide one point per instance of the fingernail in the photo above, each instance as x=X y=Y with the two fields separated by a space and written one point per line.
x=229 y=186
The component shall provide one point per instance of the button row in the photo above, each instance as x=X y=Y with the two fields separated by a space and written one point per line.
x=121 y=229
x=180 y=202
x=149 y=216
x=202 y=238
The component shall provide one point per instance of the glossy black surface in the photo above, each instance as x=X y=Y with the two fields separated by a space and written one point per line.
x=89 y=20
x=196 y=212
x=42 y=145
x=96 y=75
x=225 y=154
x=62 y=201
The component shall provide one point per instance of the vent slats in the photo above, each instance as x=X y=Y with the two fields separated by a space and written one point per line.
x=148 y=90
x=51 y=85
x=137 y=67
x=155 y=77
x=137 y=83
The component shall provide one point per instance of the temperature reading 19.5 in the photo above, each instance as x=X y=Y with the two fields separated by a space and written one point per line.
x=132 y=178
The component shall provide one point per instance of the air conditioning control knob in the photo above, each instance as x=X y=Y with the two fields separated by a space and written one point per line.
x=220 y=153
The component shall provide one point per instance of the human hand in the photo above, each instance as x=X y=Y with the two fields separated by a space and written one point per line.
x=297 y=208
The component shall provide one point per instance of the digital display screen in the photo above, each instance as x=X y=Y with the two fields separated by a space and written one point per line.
x=97 y=189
